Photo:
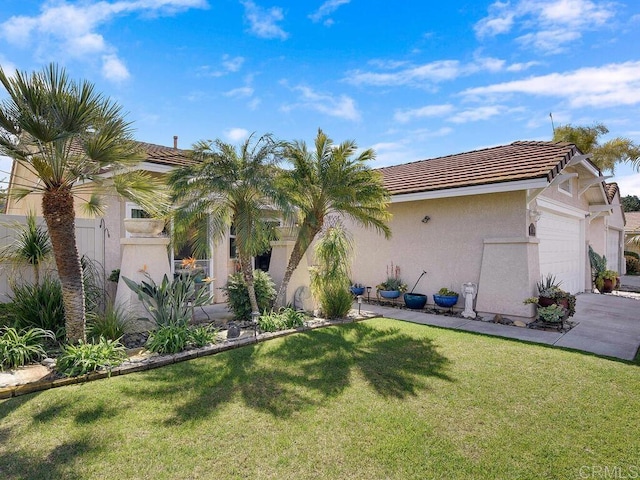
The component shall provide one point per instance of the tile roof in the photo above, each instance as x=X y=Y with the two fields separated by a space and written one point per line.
x=507 y=163
x=611 y=189
x=633 y=221
x=165 y=155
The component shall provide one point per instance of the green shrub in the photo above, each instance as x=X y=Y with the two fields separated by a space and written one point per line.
x=6 y=315
x=39 y=306
x=88 y=357
x=176 y=338
x=18 y=348
x=335 y=302
x=633 y=265
x=284 y=319
x=92 y=279
x=112 y=324
x=168 y=339
x=238 y=294
x=628 y=253
x=203 y=335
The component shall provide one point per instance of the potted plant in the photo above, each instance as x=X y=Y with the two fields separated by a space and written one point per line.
x=604 y=279
x=445 y=298
x=552 y=314
x=413 y=300
x=357 y=289
x=550 y=294
x=391 y=288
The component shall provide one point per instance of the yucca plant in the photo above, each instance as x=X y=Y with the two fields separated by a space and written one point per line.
x=20 y=347
x=170 y=302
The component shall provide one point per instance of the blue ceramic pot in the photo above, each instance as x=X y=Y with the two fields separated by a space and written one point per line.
x=415 y=300
x=389 y=293
x=445 y=301
x=357 y=290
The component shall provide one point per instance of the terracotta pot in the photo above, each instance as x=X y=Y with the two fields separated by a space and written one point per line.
x=607 y=286
x=546 y=301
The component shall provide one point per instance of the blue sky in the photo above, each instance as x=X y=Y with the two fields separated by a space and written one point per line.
x=412 y=79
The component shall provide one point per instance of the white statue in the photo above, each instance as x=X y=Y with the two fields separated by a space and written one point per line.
x=469 y=291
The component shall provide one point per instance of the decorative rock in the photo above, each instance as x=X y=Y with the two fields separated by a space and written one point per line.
x=233 y=330
x=497 y=318
x=48 y=362
x=519 y=323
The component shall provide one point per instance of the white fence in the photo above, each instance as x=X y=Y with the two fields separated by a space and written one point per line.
x=89 y=236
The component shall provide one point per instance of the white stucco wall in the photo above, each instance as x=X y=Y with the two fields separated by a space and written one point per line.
x=449 y=247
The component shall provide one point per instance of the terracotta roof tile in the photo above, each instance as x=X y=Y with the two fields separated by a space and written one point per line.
x=166 y=155
x=633 y=221
x=507 y=163
x=611 y=189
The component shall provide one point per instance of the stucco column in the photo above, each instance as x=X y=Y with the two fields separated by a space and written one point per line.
x=509 y=272
x=140 y=256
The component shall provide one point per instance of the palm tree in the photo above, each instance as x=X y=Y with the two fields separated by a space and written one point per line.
x=68 y=136
x=231 y=187
x=328 y=180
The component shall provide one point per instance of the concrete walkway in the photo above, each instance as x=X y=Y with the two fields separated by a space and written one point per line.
x=607 y=325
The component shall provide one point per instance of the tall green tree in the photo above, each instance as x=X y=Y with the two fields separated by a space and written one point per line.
x=331 y=179
x=631 y=203
x=605 y=155
x=68 y=136
x=231 y=186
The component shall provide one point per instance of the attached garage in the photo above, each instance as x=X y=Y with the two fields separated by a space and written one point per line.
x=561 y=249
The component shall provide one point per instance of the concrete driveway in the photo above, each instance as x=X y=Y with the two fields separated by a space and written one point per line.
x=607 y=325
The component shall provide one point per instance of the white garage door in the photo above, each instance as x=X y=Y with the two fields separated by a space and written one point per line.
x=560 y=250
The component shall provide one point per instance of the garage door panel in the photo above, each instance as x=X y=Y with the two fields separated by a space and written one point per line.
x=560 y=250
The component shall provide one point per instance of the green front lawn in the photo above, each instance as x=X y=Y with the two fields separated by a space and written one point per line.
x=376 y=399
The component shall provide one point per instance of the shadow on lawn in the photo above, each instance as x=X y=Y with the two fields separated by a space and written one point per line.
x=298 y=372
x=57 y=464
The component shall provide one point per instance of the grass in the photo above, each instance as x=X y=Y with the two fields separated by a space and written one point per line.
x=376 y=399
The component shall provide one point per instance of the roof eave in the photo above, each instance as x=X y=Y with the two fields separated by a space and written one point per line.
x=471 y=190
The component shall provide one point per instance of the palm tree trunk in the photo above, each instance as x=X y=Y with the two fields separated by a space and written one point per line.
x=59 y=213
x=247 y=272
x=294 y=260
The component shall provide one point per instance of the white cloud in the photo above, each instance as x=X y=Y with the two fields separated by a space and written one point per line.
x=229 y=65
x=615 y=84
x=404 y=116
x=426 y=75
x=236 y=134
x=326 y=9
x=114 y=69
x=629 y=184
x=548 y=25
x=240 y=92
x=520 y=67
x=263 y=22
x=476 y=114
x=340 y=106
x=64 y=30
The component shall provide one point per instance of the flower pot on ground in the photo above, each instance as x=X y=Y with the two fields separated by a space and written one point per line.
x=415 y=301
x=445 y=298
x=606 y=281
